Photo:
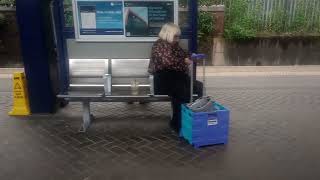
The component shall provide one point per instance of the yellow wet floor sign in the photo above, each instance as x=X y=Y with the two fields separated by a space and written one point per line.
x=21 y=105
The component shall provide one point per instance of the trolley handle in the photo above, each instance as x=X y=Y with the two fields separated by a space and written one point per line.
x=198 y=56
x=195 y=57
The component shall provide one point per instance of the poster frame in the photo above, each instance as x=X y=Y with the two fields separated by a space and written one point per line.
x=116 y=38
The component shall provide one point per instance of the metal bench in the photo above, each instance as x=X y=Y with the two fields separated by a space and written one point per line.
x=88 y=85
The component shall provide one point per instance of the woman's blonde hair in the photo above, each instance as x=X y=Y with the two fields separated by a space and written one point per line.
x=169 y=31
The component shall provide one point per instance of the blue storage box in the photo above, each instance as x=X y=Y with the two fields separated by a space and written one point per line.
x=205 y=128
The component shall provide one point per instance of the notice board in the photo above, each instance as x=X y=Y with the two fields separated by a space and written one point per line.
x=122 y=20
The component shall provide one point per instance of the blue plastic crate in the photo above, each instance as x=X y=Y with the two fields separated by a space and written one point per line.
x=203 y=128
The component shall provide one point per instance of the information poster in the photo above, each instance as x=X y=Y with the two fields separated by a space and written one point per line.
x=101 y=18
x=145 y=18
x=122 y=20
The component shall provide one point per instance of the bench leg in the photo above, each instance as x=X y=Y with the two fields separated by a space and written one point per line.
x=87 y=116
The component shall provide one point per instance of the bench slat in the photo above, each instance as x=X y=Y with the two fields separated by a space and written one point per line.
x=102 y=98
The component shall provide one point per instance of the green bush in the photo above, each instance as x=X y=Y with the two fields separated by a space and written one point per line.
x=7 y=2
x=299 y=22
x=68 y=15
x=206 y=24
x=247 y=19
x=208 y=2
x=240 y=23
x=277 y=23
x=239 y=32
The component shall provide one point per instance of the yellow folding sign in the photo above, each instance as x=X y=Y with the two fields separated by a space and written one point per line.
x=21 y=105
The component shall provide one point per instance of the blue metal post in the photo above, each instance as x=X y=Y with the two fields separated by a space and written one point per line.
x=35 y=55
x=193 y=42
x=193 y=9
x=58 y=12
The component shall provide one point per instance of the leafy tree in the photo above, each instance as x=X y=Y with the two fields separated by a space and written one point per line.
x=7 y=3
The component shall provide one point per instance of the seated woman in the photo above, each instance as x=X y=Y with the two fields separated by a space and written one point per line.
x=169 y=65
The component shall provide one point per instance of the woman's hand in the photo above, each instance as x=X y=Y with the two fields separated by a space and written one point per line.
x=188 y=61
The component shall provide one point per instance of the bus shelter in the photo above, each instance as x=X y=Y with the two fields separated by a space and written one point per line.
x=95 y=50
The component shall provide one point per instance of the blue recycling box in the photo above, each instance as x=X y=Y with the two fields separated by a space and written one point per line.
x=205 y=128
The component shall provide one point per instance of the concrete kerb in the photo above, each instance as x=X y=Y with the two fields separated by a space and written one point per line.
x=7 y=73
x=312 y=70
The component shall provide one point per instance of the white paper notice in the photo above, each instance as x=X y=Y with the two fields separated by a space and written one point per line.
x=88 y=21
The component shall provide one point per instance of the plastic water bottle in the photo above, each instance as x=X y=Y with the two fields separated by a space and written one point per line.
x=135 y=87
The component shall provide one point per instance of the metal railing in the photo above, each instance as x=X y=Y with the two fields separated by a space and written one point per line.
x=286 y=11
